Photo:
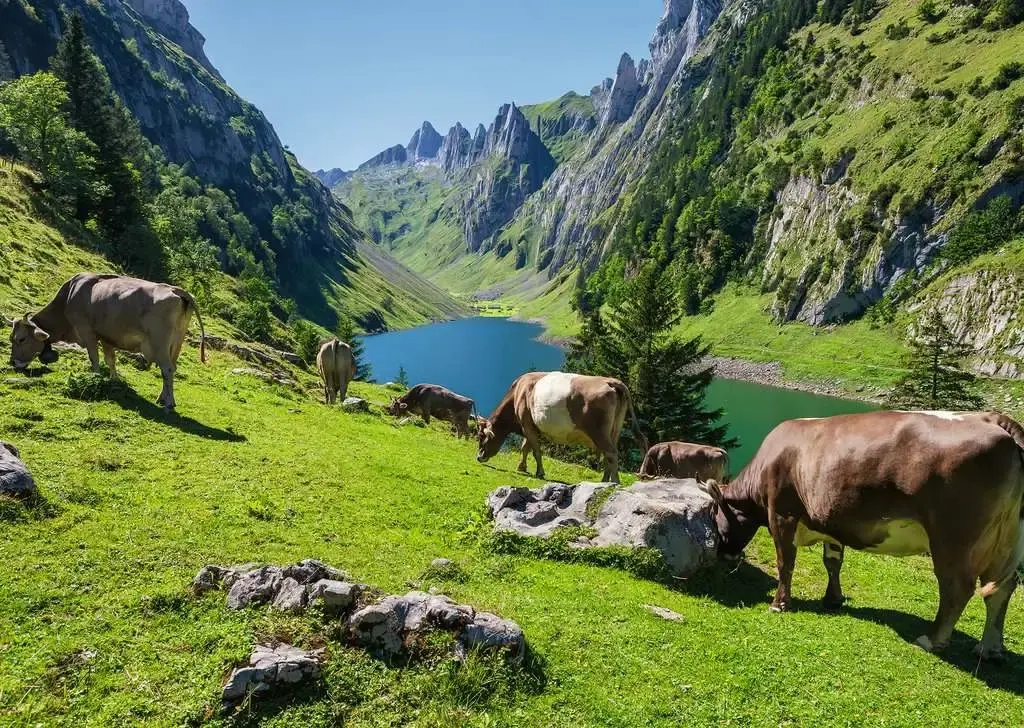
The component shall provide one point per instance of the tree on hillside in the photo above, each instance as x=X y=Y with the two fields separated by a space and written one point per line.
x=95 y=110
x=348 y=333
x=634 y=342
x=6 y=70
x=31 y=116
x=937 y=379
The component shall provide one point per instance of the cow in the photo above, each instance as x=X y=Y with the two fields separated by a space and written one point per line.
x=433 y=400
x=572 y=409
x=115 y=312
x=899 y=483
x=685 y=460
x=337 y=369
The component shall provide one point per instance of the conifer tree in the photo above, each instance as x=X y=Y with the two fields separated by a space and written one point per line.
x=6 y=70
x=634 y=342
x=347 y=332
x=937 y=379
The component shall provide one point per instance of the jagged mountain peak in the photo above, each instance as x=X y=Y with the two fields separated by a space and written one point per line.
x=425 y=143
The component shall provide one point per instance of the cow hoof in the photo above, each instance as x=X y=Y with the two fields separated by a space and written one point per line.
x=926 y=644
x=777 y=608
x=833 y=604
x=994 y=654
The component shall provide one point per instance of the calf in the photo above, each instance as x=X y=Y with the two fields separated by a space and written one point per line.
x=685 y=460
x=897 y=483
x=433 y=400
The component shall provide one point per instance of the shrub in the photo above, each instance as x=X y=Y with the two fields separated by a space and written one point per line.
x=929 y=12
x=307 y=341
x=897 y=31
x=1007 y=74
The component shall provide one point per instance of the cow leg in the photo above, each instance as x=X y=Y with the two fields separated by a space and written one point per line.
x=110 y=357
x=956 y=586
x=784 y=534
x=524 y=451
x=343 y=389
x=167 y=394
x=996 y=605
x=611 y=458
x=832 y=556
x=531 y=441
x=92 y=348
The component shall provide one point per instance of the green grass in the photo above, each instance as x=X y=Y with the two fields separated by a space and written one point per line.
x=97 y=627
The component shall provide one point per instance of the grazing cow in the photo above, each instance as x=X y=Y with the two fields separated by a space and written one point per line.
x=572 y=409
x=115 y=312
x=433 y=400
x=337 y=369
x=897 y=483
x=685 y=460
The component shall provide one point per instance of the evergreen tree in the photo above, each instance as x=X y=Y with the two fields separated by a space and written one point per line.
x=634 y=343
x=347 y=332
x=95 y=110
x=936 y=379
x=6 y=70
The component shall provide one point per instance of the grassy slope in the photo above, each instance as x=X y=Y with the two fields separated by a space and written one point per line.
x=97 y=628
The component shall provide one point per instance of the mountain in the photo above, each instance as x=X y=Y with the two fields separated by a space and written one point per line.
x=158 y=68
x=849 y=158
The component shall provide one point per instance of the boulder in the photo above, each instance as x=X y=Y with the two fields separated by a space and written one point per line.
x=286 y=588
x=336 y=596
x=676 y=517
x=271 y=668
x=15 y=479
x=355 y=404
x=539 y=512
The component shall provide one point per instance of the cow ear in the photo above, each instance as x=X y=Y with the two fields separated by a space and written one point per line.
x=39 y=334
x=403 y=406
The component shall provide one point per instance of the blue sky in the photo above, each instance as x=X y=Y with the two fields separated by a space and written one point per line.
x=343 y=79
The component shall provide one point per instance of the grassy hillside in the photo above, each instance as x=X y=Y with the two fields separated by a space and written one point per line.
x=97 y=627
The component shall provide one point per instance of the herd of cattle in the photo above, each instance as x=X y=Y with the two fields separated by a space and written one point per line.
x=946 y=484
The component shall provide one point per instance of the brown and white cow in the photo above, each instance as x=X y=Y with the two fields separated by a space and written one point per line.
x=337 y=369
x=572 y=409
x=685 y=460
x=115 y=312
x=433 y=400
x=899 y=483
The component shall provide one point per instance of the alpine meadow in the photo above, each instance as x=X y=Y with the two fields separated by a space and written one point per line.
x=221 y=505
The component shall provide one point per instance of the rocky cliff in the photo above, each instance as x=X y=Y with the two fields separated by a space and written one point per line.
x=157 y=65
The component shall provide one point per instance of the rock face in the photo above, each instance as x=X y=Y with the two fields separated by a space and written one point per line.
x=270 y=669
x=623 y=94
x=676 y=517
x=15 y=479
x=425 y=143
x=392 y=155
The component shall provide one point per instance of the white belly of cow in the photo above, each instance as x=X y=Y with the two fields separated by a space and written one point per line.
x=549 y=408
x=900 y=537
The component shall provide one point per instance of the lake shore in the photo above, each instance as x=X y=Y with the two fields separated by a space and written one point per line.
x=770 y=374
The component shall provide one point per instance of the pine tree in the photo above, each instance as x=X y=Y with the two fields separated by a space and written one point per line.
x=118 y=200
x=634 y=343
x=936 y=379
x=6 y=70
x=347 y=332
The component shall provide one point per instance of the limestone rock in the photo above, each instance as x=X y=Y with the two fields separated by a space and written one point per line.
x=425 y=143
x=539 y=512
x=15 y=479
x=270 y=668
x=624 y=92
x=336 y=596
x=291 y=597
x=355 y=404
x=388 y=626
x=287 y=588
x=676 y=517
x=666 y=614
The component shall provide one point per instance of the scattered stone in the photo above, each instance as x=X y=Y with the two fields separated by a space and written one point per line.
x=664 y=613
x=271 y=668
x=439 y=564
x=291 y=597
x=676 y=517
x=394 y=622
x=395 y=386
x=287 y=588
x=355 y=404
x=265 y=376
x=540 y=512
x=15 y=479
x=336 y=596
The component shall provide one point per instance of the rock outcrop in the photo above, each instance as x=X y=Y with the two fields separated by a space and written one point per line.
x=15 y=478
x=622 y=96
x=674 y=517
x=271 y=668
x=425 y=143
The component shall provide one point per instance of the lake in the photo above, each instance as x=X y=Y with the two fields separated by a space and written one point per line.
x=479 y=357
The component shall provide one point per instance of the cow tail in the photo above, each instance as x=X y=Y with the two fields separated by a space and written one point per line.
x=641 y=439
x=190 y=301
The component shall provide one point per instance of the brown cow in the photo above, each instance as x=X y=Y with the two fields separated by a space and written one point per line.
x=572 y=409
x=115 y=312
x=898 y=483
x=685 y=460
x=337 y=369
x=433 y=400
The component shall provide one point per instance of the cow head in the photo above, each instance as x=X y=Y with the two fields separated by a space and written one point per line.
x=397 y=407
x=28 y=341
x=489 y=442
x=735 y=527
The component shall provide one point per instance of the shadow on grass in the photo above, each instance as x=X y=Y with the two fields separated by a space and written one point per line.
x=22 y=509
x=521 y=474
x=91 y=387
x=741 y=586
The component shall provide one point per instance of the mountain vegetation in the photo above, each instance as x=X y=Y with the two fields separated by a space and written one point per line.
x=170 y=175
x=847 y=161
